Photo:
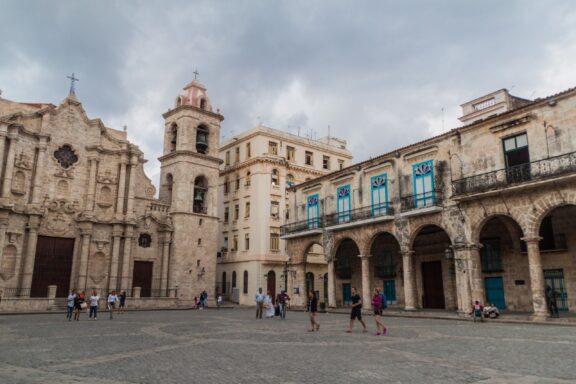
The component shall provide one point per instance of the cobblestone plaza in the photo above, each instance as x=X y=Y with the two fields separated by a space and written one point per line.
x=230 y=346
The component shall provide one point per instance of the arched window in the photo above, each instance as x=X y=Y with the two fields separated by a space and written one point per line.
x=226 y=185
x=245 y=288
x=169 y=184
x=290 y=180
x=145 y=240
x=202 y=139
x=275 y=178
x=233 y=279
x=200 y=191
x=173 y=137
x=223 y=283
x=203 y=103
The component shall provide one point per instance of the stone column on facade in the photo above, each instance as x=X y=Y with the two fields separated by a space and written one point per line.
x=3 y=135
x=121 y=186
x=475 y=274
x=91 y=184
x=28 y=268
x=126 y=259
x=3 y=226
x=366 y=296
x=462 y=280
x=536 y=277
x=39 y=173
x=409 y=280
x=165 y=261
x=113 y=276
x=331 y=285
x=131 y=186
x=9 y=169
x=84 y=254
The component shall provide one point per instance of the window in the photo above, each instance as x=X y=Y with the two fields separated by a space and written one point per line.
x=248 y=181
x=245 y=283
x=226 y=186
x=423 y=174
x=274 y=241
x=290 y=153
x=340 y=164
x=236 y=212
x=223 y=282
x=379 y=188
x=517 y=158
x=275 y=209
x=247 y=209
x=202 y=139
x=233 y=279
x=275 y=178
x=326 y=162
x=491 y=256
x=546 y=232
x=344 y=205
x=227 y=160
x=313 y=211
x=225 y=246
x=235 y=243
x=237 y=155
x=247 y=241
x=248 y=151
x=290 y=180
x=200 y=191
x=237 y=183
x=173 y=137
x=272 y=148
x=484 y=104
x=145 y=240
x=226 y=214
x=309 y=158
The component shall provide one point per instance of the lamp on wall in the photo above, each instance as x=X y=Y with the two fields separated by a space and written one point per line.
x=459 y=262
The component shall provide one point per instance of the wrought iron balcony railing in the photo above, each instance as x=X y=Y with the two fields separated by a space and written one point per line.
x=199 y=209
x=503 y=178
x=363 y=213
x=421 y=200
x=301 y=226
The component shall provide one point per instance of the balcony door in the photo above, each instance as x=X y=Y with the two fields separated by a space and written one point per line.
x=423 y=174
x=517 y=158
x=343 y=195
x=313 y=211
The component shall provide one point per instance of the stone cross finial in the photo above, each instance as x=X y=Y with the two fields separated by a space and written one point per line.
x=72 y=88
x=196 y=73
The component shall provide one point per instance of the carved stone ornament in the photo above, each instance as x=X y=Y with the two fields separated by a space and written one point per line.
x=58 y=223
x=66 y=156
x=101 y=239
x=23 y=161
x=61 y=206
x=107 y=177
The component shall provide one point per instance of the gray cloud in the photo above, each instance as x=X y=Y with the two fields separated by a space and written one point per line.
x=379 y=73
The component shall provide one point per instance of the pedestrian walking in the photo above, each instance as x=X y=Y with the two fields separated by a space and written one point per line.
x=268 y=305
x=551 y=301
x=79 y=305
x=122 y=306
x=282 y=300
x=477 y=311
x=112 y=299
x=70 y=304
x=219 y=301
x=94 y=305
x=204 y=299
x=356 y=311
x=259 y=297
x=312 y=309
x=377 y=305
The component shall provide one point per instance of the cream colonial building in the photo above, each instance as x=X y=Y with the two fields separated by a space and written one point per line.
x=77 y=210
x=483 y=212
x=258 y=166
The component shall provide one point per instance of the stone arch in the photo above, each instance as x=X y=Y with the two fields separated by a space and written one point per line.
x=417 y=231
x=367 y=246
x=544 y=206
x=200 y=195
x=478 y=226
x=173 y=137
x=345 y=250
x=297 y=249
x=202 y=134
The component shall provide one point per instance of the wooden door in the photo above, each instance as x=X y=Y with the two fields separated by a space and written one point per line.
x=52 y=266
x=142 y=277
x=433 y=285
x=271 y=285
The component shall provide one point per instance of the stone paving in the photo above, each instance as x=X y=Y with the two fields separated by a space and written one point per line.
x=229 y=346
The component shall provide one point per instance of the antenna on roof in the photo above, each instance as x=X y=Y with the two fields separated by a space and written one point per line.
x=298 y=131
x=442 y=119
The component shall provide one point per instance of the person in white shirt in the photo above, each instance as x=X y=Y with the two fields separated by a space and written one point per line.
x=70 y=304
x=94 y=305
x=112 y=299
x=259 y=303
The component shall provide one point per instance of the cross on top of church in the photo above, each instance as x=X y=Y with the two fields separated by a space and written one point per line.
x=196 y=73
x=72 y=80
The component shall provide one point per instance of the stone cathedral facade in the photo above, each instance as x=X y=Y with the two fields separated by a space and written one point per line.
x=78 y=212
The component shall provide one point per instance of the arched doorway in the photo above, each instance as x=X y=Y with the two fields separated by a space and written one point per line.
x=315 y=265
x=386 y=268
x=271 y=284
x=347 y=270
x=309 y=283
x=505 y=271
x=435 y=275
x=558 y=232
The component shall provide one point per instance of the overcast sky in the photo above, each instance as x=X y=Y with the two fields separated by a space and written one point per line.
x=379 y=73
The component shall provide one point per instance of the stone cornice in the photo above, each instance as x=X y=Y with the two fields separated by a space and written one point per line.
x=269 y=159
x=190 y=153
x=192 y=108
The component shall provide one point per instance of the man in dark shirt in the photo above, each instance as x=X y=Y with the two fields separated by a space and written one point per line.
x=282 y=299
x=356 y=310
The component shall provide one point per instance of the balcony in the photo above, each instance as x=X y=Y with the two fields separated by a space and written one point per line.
x=521 y=174
x=359 y=216
x=428 y=202
x=302 y=228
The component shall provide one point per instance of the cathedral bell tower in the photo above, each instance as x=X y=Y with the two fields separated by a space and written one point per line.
x=189 y=184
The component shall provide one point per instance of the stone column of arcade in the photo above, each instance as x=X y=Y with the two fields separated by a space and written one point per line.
x=3 y=134
x=42 y=146
x=331 y=290
x=85 y=251
x=9 y=170
x=131 y=186
x=536 y=277
x=462 y=280
x=475 y=268
x=121 y=187
x=409 y=280
x=28 y=269
x=126 y=259
x=116 y=237
x=366 y=294
x=165 y=260
x=91 y=184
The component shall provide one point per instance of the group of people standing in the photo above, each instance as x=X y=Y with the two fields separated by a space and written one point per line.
x=78 y=302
